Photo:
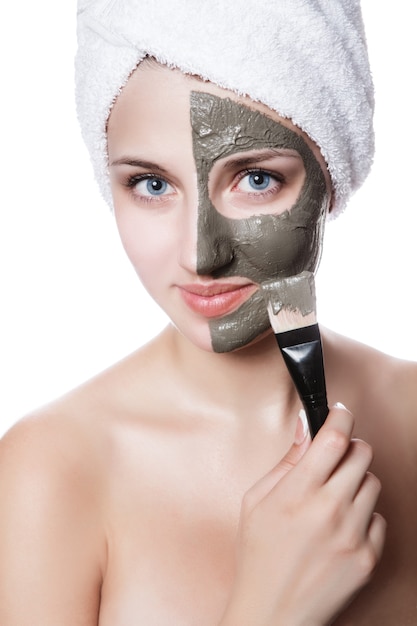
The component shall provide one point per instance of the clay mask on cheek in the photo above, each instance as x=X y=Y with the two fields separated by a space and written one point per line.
x=260 y=247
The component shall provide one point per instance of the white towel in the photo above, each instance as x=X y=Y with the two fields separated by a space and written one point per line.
x=305 y=59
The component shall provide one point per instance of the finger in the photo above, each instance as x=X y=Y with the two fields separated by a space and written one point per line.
x=265 y=485
x=366 y=500
x=349 y=475
x=377 y=532
x=328 y=447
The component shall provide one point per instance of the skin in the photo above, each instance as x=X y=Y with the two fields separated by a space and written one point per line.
x=264 y=242
x=176 y=487
x=259 y=247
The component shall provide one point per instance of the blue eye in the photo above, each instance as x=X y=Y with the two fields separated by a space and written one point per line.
x=259 y=180
x=149 y=187
x=259 y=183
x=156 y=186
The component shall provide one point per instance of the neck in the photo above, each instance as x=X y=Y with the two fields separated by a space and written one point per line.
x=251 y=383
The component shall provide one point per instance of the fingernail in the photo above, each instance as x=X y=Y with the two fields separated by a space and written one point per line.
x=339 y=405
x=302 y=428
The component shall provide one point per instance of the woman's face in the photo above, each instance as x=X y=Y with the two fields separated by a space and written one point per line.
x=214 y=195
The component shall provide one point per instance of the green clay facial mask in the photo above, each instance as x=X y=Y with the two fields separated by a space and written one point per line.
x=263 y=247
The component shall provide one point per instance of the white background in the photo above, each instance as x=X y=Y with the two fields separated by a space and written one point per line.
x=70 y=304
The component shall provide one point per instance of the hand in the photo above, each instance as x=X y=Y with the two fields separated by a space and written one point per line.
x=309 y=538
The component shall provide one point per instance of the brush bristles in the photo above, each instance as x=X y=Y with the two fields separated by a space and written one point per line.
x=291 y=301
x=290 y=319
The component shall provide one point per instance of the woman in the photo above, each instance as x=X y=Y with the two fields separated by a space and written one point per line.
x=180 y=486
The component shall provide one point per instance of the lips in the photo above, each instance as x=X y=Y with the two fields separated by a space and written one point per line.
x=216 y=299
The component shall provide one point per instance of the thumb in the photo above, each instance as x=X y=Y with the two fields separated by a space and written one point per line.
x=301 y=443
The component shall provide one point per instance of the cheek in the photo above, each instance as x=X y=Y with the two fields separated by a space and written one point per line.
x=278 y=251
x=147 y=245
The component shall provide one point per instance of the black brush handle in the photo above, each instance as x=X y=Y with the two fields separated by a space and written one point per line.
x=316 y=416
x=303 y=355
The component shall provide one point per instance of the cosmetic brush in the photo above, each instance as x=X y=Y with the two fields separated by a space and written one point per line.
x=291 y=304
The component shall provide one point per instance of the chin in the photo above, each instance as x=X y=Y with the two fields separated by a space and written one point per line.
x=250 y=343
x=198 y=337
x=204 y=342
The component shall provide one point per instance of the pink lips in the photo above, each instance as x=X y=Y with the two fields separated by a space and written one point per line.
x=216 y=299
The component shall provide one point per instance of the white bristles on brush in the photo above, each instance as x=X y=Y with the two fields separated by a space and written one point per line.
x=291 y=302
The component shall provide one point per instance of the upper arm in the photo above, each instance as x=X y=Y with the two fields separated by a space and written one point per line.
x=50 y=541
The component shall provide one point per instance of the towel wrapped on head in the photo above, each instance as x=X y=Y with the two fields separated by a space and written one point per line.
x=305 y=59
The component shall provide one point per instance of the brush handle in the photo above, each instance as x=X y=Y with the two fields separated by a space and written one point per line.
x=316 y=416
x=303 y=355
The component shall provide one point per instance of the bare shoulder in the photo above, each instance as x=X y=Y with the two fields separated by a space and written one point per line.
x=377 y=386
x=67 y=445
x=51 y=442
x=74 y=431
x=54 y=471
x=52 y=548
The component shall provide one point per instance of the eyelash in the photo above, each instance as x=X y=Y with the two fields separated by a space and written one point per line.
x=135 y=179
x=279 y=178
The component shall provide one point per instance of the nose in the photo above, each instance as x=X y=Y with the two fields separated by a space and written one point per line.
x=187 y=227
x=206 y=242
x=214 y=241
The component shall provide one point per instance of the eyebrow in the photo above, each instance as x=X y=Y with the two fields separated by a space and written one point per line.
x=147 y=165
x=265 y=155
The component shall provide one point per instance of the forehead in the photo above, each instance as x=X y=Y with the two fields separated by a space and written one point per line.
x=223 y=126
x=155 y=91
